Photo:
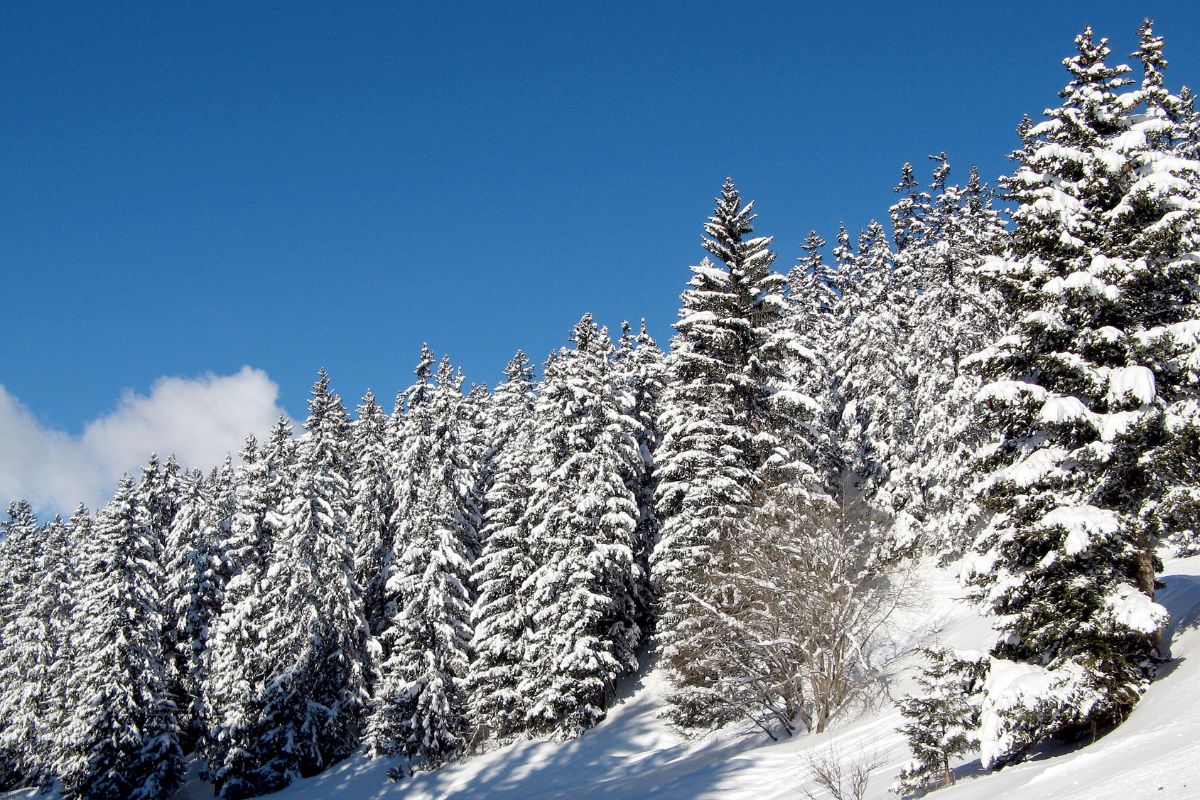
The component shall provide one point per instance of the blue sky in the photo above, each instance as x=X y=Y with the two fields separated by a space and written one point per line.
x=190 y=188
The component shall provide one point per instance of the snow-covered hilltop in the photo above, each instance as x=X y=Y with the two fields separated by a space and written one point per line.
x=628 y=576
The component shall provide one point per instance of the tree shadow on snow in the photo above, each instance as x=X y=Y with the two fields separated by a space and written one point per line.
x=611 y=761
x=1181 y=597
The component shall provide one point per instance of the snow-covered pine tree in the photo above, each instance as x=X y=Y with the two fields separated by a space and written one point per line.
x=501 y=612
x=221 y=488
x=510 y=409
x=880 y=371
x=1189 y=125
x=909 y=212
x=718 y=432
x=478 y=444
x=20 y=650
x=642 y=374
x=941 y=720
x=196 y=573
x=952 y=316
x=1170 y=157
x=844 y=262
x=240 y=659
x=419 y=706
x=156 y=498
x=815 y=316
x=122 y=736
x=249 y=542
x=319 y=660
x=46 y=626
x=813 y=286
x=1085 y=392
x=870 y=374
x=409 y=432
x=582 y=518
x=372 y=504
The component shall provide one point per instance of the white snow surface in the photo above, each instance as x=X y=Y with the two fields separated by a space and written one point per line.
x=635 y=754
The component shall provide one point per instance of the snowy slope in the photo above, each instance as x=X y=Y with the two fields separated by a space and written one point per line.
x=633 y=754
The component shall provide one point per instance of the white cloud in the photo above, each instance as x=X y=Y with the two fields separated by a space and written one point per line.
x=198 y=420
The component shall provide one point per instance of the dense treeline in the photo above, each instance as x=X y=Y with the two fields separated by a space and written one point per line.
x=481 y=565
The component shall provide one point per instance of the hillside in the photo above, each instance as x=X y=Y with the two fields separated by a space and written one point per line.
x=736 y=532
x=634 y=754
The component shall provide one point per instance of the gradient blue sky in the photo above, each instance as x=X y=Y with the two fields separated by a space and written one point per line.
x=192 y=187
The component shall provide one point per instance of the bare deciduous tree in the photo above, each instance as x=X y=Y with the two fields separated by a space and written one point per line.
x=843 y=778
x=809 y=598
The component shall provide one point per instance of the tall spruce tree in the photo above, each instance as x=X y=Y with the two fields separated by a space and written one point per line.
x=156 y=498
x=718 y=431
x=419 y=707
x=1085 y=392
x=21 y=649
x=642 y=376
x=953 y=315
x=193 y=597
x=123 y=735
x=582 y=519
x=240 y=660
x=316 y=692
x=871 y=374
x=501 y=612
x=372 y=504
x=815 y=317
x=1168 y=184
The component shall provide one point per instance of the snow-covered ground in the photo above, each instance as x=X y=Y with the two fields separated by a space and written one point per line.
x=634 y=754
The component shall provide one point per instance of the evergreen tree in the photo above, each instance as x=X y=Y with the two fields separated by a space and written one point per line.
x=1170 y=187
x=844 y=263
x=872 y=374
x=719 y=430
x=192 y=602
x=952 y=316
x=909 y=212
x=156 y=498
x=815 y=318
x=582 y=519
x=20 y=650
x=1189 y=125
x=291 y=657
x=419 y=707
x=1084 y=392
x=373 y=504
x=941 y=720
x=501 y=613
x=316 y=689
x=642 y=377
x=239 y=659
x=123 y=737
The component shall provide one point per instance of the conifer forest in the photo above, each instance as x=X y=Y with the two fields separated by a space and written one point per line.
x=1000 y=373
